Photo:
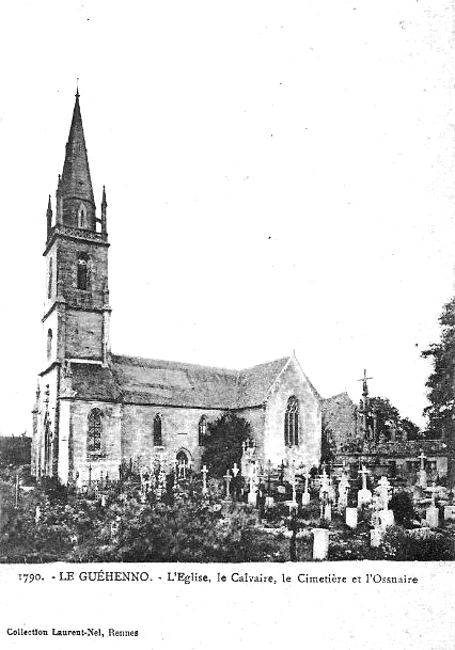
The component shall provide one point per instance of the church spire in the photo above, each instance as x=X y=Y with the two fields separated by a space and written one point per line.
x=49 y=216
x=75 y=187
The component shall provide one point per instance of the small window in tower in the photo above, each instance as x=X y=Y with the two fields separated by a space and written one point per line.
x=82 y=217
x=49 y=343
x=50 y=278
x=82 y=271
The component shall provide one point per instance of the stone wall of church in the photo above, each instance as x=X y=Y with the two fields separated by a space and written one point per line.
x=339 y=417
x=292 y=382
x=97 y=272
x=84 y=334
x=256 y=418
x=180 y=431
x=74 y=436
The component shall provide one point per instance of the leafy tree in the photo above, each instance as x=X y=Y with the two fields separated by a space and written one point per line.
x=388 y=420
x=387 y=416
x=411 y=430
x=441 y=382
x=223 y=445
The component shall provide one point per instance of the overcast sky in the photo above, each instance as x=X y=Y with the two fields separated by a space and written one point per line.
x=279 y=176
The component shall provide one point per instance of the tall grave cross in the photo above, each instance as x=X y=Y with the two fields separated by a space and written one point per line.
x=228 y=478
x=204 y=472
x=422 y=472
x=364 y=473
x=422 y=459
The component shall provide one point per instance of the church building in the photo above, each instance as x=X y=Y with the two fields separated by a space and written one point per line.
x=95 y=410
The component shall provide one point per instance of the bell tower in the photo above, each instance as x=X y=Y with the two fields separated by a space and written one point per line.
x=76 y=313
x=76 y=302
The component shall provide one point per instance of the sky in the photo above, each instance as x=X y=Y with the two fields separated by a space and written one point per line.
x=279 y=177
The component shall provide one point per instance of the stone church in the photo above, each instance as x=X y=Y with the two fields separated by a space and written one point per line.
x=95 y=409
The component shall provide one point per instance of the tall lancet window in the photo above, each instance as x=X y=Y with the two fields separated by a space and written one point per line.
x=82 y=217
x=82 y=271
x=157 y=431
x=50 y=279
x=291 y=423
x=94 y=431
x=202 y=430
x=49 y=343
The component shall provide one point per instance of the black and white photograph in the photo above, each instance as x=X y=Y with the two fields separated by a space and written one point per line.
x=228 y=318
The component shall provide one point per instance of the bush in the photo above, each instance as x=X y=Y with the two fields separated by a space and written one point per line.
x=399 y=545
x=403 y=508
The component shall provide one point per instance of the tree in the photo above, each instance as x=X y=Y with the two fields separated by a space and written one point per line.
x=388 y=420
x=223 y=444
x=387 y=416
x=440 y=384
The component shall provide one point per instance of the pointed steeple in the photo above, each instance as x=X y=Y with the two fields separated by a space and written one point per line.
x=75 y=187
x=103 y=211
x=49 y=216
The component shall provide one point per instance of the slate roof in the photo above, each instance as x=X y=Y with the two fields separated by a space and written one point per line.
x=92 y=381
x=153 y=381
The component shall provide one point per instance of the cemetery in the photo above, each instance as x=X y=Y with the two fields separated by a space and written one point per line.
x=254 y=512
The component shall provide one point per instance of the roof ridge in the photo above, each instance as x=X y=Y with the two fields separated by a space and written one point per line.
x=232 y=371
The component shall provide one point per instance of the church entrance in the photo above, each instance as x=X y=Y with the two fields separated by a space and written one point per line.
x=183 y=463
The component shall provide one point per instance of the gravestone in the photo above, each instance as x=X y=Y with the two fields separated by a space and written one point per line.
x=422 y=472
x=375 y=537
x=449 y=513
x=352 y=518
x=364 y=495
x=432 y=517
x=343 y=489
x=386 y=518
x=320 y=543
x=306 y=497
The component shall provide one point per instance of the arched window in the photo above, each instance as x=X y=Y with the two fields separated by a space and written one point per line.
x=183 y=464
x=82 y=271
x=291 y=423
x=202 y=430
x=157 y=431
x=49 y=343
x=50 y=279
x=94 y=431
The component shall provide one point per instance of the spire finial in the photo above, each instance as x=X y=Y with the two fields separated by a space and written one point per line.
x=77 y=88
